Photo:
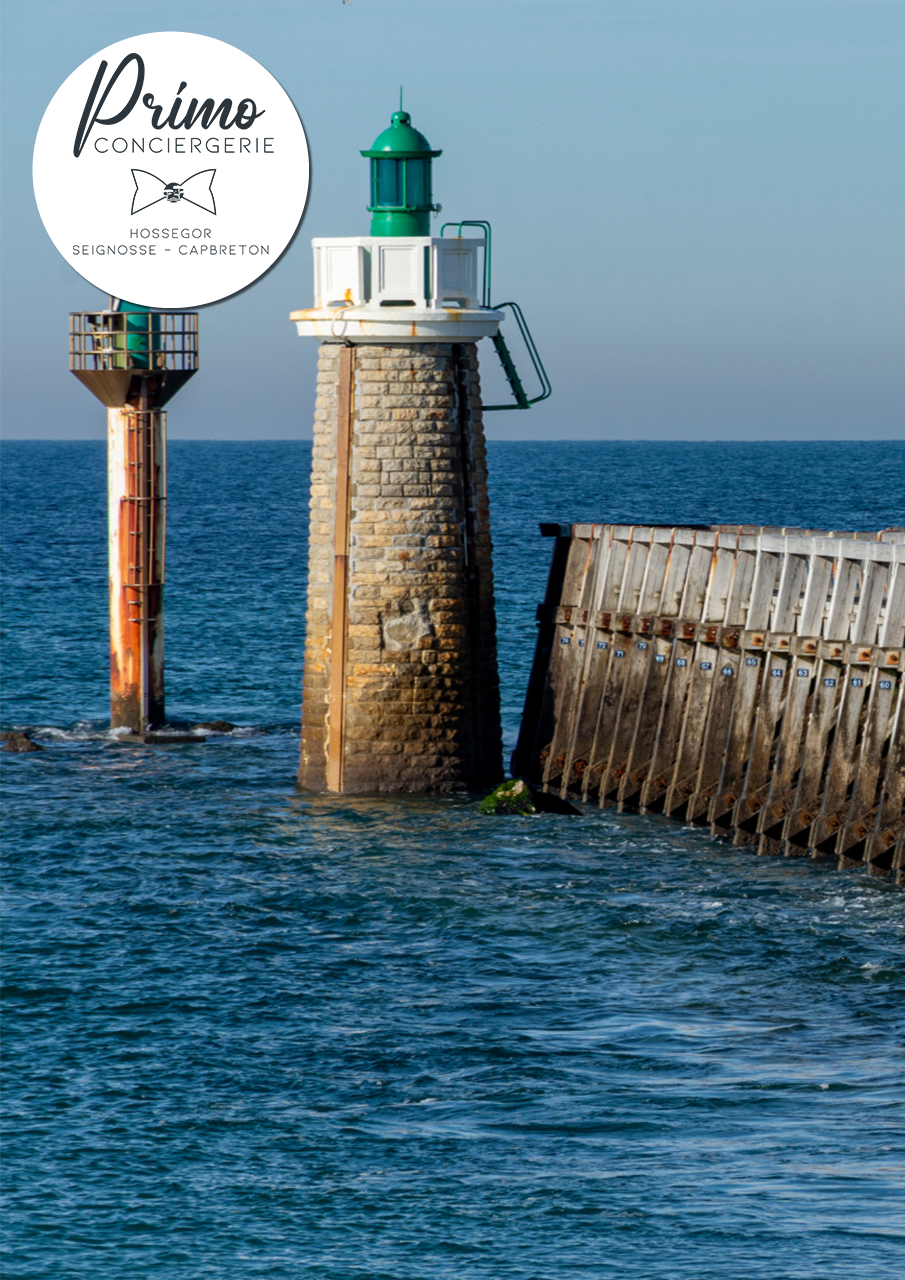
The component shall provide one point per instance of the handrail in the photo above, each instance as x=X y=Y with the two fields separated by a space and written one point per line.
x=158 y=340
x=522 y=400
x=469 y=222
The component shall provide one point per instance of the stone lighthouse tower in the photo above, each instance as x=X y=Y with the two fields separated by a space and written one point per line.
x=401 y=691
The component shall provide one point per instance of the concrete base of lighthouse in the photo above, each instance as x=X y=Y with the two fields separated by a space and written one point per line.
x=401 y=691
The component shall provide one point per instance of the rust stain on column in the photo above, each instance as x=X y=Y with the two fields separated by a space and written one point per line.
x=339 y=616
x=137 y=506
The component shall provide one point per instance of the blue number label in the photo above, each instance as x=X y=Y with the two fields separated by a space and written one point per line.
x=661 y=657
x=705 y=666
x=564 y=640
x=642 y=644
x=885 y=684
x=727 y=671
x=620 y=653
x=602 y=644
x=829 y=684
x=804 y=671
x=776 y=671
x=857 y=682
x=581 y=644
x=681 y=662
x=751 y=662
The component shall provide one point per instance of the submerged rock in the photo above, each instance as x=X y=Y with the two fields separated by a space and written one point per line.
x=215 y=726
x=546 y=802
x=513 y=796
x=516 y=797
x=19 y=742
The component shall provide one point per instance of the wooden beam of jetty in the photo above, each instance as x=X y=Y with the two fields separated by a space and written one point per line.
x=737 y=676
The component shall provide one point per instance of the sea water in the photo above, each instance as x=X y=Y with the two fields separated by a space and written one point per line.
x=254 y=1033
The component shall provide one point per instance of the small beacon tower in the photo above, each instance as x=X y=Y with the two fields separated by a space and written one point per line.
x=135 y=361
x=401 y=691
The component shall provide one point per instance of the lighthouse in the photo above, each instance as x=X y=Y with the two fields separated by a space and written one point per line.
x=401 y=689
x=135 y=360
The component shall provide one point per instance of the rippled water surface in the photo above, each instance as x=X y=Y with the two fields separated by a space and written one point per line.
x=250 y=1033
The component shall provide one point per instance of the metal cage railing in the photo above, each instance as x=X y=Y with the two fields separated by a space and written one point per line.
x=154 y=340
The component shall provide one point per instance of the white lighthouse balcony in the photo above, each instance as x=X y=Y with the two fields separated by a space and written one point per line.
x=395 y=289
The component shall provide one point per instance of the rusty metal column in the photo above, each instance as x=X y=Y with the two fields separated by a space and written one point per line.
x=336 y=716
x=135 y=361
x=136 y=479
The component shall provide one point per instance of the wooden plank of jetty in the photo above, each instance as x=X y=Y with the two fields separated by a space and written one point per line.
x=573 y=620
x=704 y=671
x=669 y=725
x=852 y=822
x=777 y=645
x=584 y=658
x=586 y=766
x=725 y=685
x=848 y=666
x=829 y=689
x=800 y=683
x=607 y=580
x=652 y=692
x=750 y=678
x=636 y=630
x=614 y=543
x=560 y=681
x=630 y=653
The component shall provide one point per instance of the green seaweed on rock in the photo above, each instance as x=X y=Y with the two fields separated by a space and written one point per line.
x=512 y=796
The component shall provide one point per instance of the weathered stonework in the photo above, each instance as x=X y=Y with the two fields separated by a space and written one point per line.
x=417 y=707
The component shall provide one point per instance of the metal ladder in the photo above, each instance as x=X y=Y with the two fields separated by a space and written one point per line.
x=522 y=399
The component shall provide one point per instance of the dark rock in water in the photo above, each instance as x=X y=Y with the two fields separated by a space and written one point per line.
x=19 y=742
x=544 y=802
x=216 y=726
x=516 y=797
x=166 y=737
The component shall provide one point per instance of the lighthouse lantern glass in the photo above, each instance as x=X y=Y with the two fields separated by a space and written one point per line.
x=388 y=182
x=417 y=182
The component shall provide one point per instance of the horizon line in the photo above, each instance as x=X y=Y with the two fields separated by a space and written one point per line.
x=489 y=440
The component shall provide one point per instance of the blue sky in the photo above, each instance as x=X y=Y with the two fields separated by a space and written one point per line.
x=698 y=203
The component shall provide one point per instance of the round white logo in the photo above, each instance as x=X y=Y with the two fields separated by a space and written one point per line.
x=171 y=170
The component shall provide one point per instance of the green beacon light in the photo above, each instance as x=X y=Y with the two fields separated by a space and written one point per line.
x=401 y=180
x=402 y=284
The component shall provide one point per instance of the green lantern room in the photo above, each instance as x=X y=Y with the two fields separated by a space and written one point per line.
x=401 y=199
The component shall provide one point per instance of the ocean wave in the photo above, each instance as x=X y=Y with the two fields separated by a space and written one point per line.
x=98 y=731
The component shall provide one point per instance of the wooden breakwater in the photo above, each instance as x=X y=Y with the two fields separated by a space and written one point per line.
x=743 y=677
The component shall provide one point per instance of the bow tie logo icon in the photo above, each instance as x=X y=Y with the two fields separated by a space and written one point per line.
x=149 y=189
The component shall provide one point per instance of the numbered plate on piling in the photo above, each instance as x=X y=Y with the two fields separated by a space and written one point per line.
x=171 y=170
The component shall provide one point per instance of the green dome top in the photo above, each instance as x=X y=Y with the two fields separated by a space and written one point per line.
x=400 y=141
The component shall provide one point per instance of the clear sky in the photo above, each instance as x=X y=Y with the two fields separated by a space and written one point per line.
x=698 y=203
